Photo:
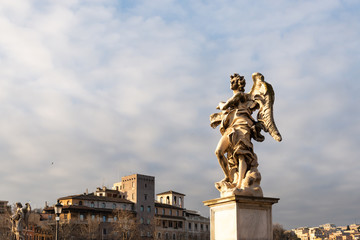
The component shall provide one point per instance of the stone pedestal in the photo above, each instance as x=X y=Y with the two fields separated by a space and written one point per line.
x=241 y=218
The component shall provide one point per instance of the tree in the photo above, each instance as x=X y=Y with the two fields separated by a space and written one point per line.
x=5 y=226
x=125 y=225
x=279 y=233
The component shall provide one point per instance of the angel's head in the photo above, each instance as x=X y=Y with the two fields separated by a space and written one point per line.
x=18 y=205
x=237 y=82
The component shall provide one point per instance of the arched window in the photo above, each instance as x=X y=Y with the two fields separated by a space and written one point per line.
x=141 y=220
x=141 y=208
x=92 y=204
x=180 y=201
x=170 y=212
x=161 y=200
x=80 y=203
x=174 y=200
x=149 y=209
x=104 y=218
x=156 y=210
x=103 y=205
x=167 y=200
x=114 y=205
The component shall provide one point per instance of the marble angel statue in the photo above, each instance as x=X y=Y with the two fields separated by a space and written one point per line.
x=20 y=220
x=237 y=127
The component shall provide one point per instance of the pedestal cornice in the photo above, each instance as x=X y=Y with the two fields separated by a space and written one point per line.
x=241 y=199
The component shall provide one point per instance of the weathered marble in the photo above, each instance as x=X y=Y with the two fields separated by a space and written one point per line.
x=241 y=218
x=237 y=126
x=20 y=220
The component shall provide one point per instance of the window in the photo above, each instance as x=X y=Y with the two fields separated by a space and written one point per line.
x=177 y=212
x=103 y=205
x=80 y=203
x=195 y=226
x=201 y=227
x=93 y=217
x=115 y=218
x=174 y=236
x=174 y=200
x=189 y=225
x=68 y=203
x=170 y=224
x=180 y=202
x=159 y=235
x=156 y=210
x=114 y=205
x=167 y=200
x=132 y=184
x=132 y=196
x=148 y=209
x=81 y=217
x=170 y=212
x=161 y=200
x=124 y=206
x=141 y=220
x=92 y=204
x=104 y=231
x=148 y=221
x=145 y=196
x=104 y=218
x=141 y=208
x=145 y=185
x=163 y=211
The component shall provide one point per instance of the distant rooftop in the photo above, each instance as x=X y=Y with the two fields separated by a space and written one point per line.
x=92 y=197
x=171 y=192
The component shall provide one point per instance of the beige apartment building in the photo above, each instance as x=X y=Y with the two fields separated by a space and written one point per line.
x=140 y=189
x=174 y=221
x=163 y=218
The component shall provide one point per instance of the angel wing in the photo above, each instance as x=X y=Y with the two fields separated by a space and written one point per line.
x=27 y=211
x=263 y=93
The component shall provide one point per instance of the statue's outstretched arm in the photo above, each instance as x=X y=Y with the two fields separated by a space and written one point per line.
x=233 y=101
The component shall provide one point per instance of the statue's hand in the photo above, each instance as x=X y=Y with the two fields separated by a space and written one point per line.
x=220 y=106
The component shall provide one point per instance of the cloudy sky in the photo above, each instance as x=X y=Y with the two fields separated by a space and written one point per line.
x=93 y=90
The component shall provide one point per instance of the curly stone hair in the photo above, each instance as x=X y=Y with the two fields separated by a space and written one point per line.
x=242 y=81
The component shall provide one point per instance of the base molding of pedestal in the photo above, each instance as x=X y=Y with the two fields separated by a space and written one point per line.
x=241 y=218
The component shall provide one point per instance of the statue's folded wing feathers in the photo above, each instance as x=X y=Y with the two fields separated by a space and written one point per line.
x=263 y=93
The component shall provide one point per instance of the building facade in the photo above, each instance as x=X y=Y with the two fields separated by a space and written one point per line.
x=175 y=222
x=163 y=218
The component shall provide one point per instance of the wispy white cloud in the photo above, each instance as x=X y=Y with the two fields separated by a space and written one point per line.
x=93 y=90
